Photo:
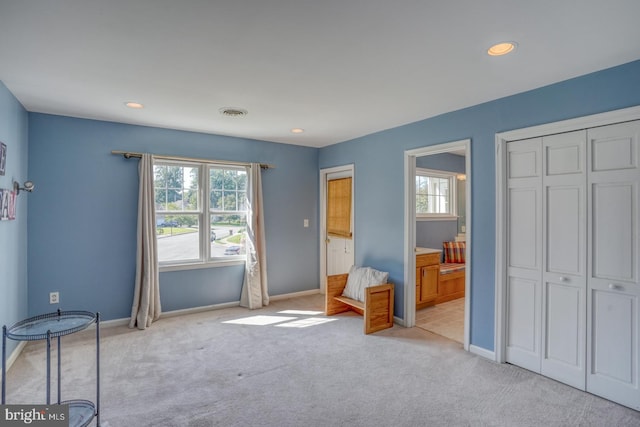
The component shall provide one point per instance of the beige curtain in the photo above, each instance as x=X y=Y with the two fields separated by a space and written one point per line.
x=146 y=297
x=254 y=288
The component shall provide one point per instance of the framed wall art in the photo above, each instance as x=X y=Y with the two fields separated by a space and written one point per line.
x=3 y=157
x=7 y=204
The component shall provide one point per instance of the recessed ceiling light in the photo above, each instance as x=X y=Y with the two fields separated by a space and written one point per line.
x=136 y=105
x=233 y=112
x=297 y=130
x=502 y=48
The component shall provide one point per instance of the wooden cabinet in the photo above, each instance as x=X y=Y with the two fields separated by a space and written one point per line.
x=427 y=273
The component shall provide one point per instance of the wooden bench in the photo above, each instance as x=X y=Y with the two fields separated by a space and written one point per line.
x=377 y=308
x=451 y=282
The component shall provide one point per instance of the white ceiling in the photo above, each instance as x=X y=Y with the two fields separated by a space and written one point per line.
x=339 y=69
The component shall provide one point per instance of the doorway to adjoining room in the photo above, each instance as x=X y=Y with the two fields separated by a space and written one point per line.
x=437 y=240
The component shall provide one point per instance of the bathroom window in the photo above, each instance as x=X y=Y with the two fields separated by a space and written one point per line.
x=435 y=194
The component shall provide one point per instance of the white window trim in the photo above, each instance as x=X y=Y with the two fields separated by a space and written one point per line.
x=452 y=195
x=204 y=219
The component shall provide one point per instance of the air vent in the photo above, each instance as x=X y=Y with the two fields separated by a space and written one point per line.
x=233 y=112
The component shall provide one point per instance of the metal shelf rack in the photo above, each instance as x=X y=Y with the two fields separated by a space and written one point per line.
x=57 y=325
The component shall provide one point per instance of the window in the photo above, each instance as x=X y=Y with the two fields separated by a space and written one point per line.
x=435 y=194
x=339 y=207
x=227 y=211
x=193 y=229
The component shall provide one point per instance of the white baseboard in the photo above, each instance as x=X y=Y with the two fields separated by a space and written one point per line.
x=483 y=352
x=398 y=321
x=294 y=295
x=113 y=322
x=193 y=310
x=14 y=356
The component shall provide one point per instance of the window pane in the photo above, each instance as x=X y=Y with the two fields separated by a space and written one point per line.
x=178 y=237
x=216 y=199
x=176 y=187
x=227 y=189
x=433 y=194
x=421 y=184
x=242 y=180
x=228 y=233
x=190 y=200
x=229 y=200
x=242 y=201
x=421 y=203
x=229 y=180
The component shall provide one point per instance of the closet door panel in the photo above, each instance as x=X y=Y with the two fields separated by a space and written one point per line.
x=614 y=255
x=613 y=285
x=564 y=258
x=524 y=228
x=565 y=230
x=524 y=257
x=613 y=152
x=614 y=312
x=523 y=320
x=562 y=335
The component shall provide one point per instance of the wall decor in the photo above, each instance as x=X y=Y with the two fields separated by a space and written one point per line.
x=3 y=157
x=7 y=204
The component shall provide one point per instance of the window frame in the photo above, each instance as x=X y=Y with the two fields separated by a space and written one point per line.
x=203 y=214
x=453 y=208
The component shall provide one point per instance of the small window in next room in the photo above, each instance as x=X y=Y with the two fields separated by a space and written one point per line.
x=435 y=194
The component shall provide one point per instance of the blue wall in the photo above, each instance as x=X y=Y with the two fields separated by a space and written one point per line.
x=13 y=234
x=442 y=162
x=431 y=234
x=82 y=216
x=379 y=173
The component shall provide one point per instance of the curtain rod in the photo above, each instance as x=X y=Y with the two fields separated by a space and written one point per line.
x=130 y=154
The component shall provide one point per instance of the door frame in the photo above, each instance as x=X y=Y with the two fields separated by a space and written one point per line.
x=501 y=140
x=348 y=170
x=410 y=229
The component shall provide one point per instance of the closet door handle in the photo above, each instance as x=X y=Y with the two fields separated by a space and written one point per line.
x=564 y=279
x=616 y=287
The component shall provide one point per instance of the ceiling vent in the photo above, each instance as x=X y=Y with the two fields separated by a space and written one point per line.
x=233 y=112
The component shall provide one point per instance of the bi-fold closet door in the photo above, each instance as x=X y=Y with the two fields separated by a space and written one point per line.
x=572 y=268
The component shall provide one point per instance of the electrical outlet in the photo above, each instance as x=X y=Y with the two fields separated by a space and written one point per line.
x=54 y=297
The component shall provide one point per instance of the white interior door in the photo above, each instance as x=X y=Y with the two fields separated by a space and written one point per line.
x=524 y=256
x=339 y=255
x=339 y=250
x=613 y=325
x=564 y=258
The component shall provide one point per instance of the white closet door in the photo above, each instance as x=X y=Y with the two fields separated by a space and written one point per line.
x=613 y=325
x=524 y=289
x=564 y=258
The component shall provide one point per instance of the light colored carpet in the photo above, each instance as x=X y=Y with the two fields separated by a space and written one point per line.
x=300 y=370
x=446 y=319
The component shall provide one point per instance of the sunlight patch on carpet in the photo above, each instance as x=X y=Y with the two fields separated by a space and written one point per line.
x=302 y=312
x=260 y=320
x=305 y=323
